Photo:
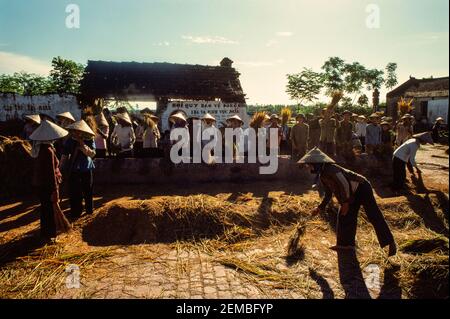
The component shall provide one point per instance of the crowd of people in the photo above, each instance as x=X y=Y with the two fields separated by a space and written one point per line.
x=65 y=149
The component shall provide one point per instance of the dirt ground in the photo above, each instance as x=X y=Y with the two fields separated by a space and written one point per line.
x=255 y=266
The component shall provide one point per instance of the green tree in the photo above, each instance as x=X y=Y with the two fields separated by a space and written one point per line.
x=304 y=86
x=354 y=77
x=66 y=75
x=10 y=84
x=24 y=83
x=333 y=75
x=391 y=75
x=363 y=100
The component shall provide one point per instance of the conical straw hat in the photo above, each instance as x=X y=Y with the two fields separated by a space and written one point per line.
x=124 y=117
x=179 y=116
x=81 y=126
x=235 y=117
x=208 y=116
x=34 y=118
x=315 y=156
x=48 y=131
x=67 y=115
x=439 y=119
x=424 y=137
x=101 y=120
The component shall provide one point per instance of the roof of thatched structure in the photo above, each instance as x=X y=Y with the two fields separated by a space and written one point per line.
x=153 y=81
x=423 y=87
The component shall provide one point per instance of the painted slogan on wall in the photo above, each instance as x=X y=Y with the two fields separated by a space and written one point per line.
x=221 y=111
x=14 y=106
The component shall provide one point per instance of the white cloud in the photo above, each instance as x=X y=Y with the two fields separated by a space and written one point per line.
x=162 y=44
x=284 y=33
x=12 y=62
x=271 y=43
x=208 y=39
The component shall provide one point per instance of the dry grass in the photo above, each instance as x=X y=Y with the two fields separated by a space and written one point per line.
x=43 y=272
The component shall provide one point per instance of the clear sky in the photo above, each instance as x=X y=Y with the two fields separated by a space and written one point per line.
x=266 y=38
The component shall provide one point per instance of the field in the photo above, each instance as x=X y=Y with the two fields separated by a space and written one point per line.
x=231 y=241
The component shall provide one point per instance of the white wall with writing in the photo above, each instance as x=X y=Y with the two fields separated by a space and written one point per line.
x=220 y=110
x=14 y=106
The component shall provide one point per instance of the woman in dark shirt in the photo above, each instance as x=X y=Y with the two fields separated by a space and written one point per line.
x=46 y=174
x=78 y=164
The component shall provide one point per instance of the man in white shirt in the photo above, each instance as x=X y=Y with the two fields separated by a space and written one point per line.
x=405 y=154
x=360 y=130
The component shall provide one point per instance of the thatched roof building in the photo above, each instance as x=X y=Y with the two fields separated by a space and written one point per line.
x=161 y=81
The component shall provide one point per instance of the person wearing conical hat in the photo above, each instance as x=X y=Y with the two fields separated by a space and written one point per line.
x=437 y=127
x=240 y=145
x=31 y=123
x=78 y=165
x=101 y=136
x=352 y=191
x=65 y=119
x=123 y=136
x=208 y=135
x=46 y=174
x=151 y=135
x=179 y=122
x=406 y=154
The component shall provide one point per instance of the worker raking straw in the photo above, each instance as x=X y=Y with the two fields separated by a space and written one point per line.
x=351 y=190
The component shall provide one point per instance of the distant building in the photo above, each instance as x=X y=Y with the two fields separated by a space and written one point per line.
x=161 y=82
x=430 y=98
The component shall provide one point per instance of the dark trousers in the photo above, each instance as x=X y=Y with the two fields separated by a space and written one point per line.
x=126 y=154
x=80 y=184
x=399 y=173
x=363 y=143
x=100 y=153
x=138 y=149
x=347 y=224
x=48 y=226
x=328 y=148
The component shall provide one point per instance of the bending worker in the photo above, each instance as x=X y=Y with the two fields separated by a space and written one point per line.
x=351 y=190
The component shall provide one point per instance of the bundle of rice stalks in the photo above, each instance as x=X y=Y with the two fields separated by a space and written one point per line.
x=404 y=106
x=295 y=247
x=285 y=115
x=335 y=98
x=16 y=166
x=422 y=246
x=258 y=119
x=41 y=273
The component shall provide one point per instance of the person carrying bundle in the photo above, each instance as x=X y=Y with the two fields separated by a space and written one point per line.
x=352 y=191
x=46 y=176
